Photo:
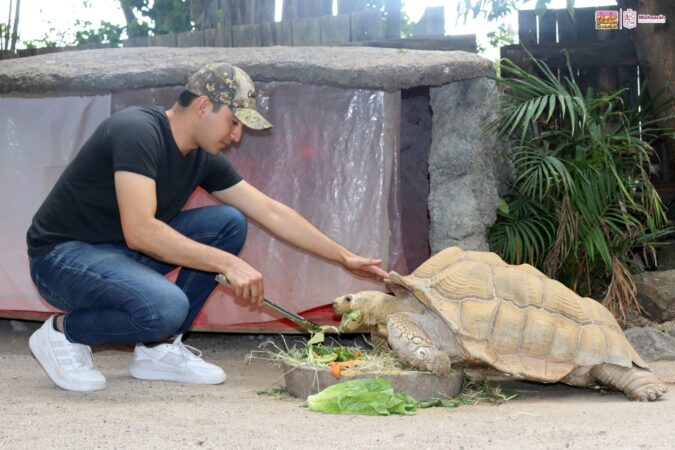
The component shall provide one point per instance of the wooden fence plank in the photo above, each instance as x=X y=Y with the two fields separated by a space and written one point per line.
x=210 y=37
x=585 y=19
x=264 y=11
x=190 y=39
x=138 y=41
x=366 y=25
x=567 y=29
x=298 y=9
x=628 y=78
x=247 y=35
x=582 y=54
x=223 y=37
x=432 y=22
x=393 y=20
x=527 y=27
x=465 y=43
x=335 y=29
x=163 y=40
x=277 y=33
x=547 y=30
x=245 y=12
x=350 y=6
x=307 y=31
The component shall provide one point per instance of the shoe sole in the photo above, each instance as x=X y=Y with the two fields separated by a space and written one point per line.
x=61 y=382
x=160 y=375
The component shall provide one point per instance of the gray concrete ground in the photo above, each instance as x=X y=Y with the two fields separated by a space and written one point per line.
x=137 y=414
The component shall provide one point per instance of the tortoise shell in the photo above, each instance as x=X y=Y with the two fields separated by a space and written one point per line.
x=517 y=319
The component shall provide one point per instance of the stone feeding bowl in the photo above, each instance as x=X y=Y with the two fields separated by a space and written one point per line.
x=302 y=381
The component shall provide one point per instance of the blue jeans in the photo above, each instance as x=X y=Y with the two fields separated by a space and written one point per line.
x=111 y=293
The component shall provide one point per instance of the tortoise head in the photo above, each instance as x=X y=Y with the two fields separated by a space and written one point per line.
x=361 y=310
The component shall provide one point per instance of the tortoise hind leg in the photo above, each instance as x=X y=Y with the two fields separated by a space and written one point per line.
x=411 y=344
x=637 y=384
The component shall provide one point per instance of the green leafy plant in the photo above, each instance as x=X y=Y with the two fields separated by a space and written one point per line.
x=582 y=203
x=105 y=33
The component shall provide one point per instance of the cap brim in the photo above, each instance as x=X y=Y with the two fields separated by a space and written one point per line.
x=252 y=119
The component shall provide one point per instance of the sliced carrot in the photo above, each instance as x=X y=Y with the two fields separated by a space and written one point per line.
x=336 y=369
x=351 y=362
x=337 y=366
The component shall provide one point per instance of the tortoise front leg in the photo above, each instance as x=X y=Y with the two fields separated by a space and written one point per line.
x=637 y=384
x=412 y=345
x=378 y=338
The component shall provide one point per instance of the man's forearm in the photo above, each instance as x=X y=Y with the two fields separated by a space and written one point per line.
x=290 y=226
x=158 y=240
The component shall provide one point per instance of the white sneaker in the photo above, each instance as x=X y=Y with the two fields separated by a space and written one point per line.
x=68 y=365
x=174 y=362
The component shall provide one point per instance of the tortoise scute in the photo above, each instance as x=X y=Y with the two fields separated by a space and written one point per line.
x=565 y=345
x=559 y=299
x=450 y=311
x=513 y=286
x=615 y=344
x=557 y=370
x=591 y=346
x=438 y=262
x=469 y=279
x=601 y=315
x=485 y=257
x=531 y=270
x=477 y=317
x=538 y=333
x=508 y=329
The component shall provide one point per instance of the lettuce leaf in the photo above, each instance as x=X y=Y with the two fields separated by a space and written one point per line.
x=368 y=396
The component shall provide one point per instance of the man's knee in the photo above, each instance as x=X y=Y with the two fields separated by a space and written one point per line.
x=235 y=227
x=163 y=314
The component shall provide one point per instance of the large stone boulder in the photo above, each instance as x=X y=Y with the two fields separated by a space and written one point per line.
x=656 y=294
x=463 y=159
x=114 y=69
x=651 y=343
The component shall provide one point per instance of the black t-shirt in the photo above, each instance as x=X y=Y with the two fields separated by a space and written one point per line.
x=82 y=206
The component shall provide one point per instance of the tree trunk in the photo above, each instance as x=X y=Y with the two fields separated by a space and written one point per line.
x=128 y=11
x=15 y=30
x=655 y=47
x=296 y=9
x=5 y=46
x=204 y=13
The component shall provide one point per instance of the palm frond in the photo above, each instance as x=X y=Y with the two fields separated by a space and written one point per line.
x=581 y=168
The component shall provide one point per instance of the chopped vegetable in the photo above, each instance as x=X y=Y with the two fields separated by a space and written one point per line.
x=350 y=320
x=338 y=365
x=370 y=396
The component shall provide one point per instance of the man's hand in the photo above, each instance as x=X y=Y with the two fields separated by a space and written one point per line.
x=365 y=267
x=246 y=282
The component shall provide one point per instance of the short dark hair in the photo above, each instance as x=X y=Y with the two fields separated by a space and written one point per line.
x=186 y=98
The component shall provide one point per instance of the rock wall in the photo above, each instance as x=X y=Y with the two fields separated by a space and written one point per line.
x=463 y=165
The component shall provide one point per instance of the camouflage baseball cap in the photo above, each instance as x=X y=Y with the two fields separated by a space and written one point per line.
x=231 y=86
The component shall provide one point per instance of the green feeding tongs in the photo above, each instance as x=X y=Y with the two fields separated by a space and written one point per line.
x=307 y=324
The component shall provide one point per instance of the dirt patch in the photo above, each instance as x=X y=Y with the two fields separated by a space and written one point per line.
x=140 y=414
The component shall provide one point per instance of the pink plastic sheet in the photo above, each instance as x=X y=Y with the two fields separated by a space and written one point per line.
x=332 y=155
x=38 y=137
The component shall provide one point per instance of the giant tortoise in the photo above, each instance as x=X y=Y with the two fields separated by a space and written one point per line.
x=473 y=307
